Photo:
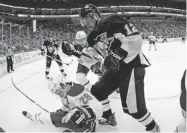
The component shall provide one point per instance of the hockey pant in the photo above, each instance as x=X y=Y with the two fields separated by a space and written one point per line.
x=49 y=60
x=130 y=82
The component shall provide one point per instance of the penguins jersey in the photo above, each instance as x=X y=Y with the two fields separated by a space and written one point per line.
x=116 y=39
x=50 y=46
x=78 y=96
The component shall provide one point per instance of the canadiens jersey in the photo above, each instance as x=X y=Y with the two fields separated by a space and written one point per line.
x=50 y=46
x=118 y=38
x=78 y=96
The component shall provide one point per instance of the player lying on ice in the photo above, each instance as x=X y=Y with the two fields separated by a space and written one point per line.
x=79 y=110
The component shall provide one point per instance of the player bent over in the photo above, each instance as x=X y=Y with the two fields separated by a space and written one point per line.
x=79 y=110
x=119 y=43
x=52 y=53
x=182 y=125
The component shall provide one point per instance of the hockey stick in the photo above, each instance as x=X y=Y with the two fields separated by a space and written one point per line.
x=28 y=97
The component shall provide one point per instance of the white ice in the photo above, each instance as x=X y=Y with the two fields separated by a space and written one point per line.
x=162 y=89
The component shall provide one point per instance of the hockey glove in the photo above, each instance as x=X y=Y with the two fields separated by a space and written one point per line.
x=97 y=68
x=112 y=63
x=66 y=49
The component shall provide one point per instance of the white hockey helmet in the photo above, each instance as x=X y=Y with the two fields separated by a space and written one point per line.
x=80 y=38
x=59 y=86
x=80 y=35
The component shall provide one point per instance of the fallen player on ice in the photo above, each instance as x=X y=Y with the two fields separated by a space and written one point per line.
x=79 y=110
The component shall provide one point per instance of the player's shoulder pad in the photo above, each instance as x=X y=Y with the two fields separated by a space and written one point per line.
x=76 y=90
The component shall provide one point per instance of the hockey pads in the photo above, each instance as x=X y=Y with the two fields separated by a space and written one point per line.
x=79 y=117
x=97 y=68
x=42 y=52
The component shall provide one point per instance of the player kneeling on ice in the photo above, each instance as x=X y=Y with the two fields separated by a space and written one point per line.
x=79 y=110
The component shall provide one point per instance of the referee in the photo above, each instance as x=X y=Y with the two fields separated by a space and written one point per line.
x=9 y=54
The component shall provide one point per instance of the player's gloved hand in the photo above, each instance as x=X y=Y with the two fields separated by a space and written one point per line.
x=112 y=63
x=97 y=68
x=42 y=52
x=66 y=48
x=70 y=115
x=54 y=56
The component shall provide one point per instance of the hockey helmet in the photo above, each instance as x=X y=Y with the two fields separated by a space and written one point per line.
x=59 y=86
x=89 y=8
x=80 y=38
x=80 y=35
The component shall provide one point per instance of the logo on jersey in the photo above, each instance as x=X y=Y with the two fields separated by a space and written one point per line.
x=104 y=45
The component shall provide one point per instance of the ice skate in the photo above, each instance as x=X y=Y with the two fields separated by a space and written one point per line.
x=110 y=122
x=156 y=129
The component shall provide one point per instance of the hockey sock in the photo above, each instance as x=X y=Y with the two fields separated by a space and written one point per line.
x=47 y=71
x=107 y=112
x=148 y=121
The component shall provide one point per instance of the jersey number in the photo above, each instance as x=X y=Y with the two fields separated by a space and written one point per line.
x=85 y=98
x=130 y=29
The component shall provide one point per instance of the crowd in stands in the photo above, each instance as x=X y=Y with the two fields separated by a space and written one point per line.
x=24 y=39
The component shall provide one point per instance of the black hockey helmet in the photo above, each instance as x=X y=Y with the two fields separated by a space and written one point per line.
x=88 y=9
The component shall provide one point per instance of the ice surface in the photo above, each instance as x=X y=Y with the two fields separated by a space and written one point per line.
x=162 y=89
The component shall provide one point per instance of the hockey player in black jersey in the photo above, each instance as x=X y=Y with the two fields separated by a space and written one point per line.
x=52 y=53
x=119 y=43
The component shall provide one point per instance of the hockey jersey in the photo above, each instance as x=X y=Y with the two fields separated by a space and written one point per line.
x=79 y=96
x=50 y=46
x=116 y=38
x=152 y=38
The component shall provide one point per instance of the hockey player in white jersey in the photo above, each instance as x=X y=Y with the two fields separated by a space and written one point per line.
x=79 y=109
x=88 y=58
x=152 y=41
x=181 y=127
